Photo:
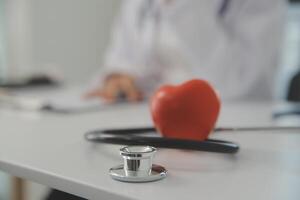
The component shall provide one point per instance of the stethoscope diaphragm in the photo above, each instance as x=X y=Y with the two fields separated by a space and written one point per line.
x=138 y=166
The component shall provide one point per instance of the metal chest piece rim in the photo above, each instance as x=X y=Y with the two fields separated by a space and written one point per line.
x=138 y=165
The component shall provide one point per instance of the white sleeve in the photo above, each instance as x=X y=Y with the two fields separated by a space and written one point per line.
x=255 y=50
x=243 y=49
x=121 y=53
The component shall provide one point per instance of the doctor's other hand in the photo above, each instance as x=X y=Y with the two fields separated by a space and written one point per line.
x=117 y=87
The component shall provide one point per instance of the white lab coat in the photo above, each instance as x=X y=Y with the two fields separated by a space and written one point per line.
x=168 y=41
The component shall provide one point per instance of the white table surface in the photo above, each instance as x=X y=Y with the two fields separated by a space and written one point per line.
x=49 y=148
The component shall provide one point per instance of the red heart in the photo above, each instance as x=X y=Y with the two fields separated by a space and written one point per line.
x=187 y=111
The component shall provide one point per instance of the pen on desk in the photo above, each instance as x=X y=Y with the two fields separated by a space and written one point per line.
x=121 y=96
x=26 y=103
x=258 y=128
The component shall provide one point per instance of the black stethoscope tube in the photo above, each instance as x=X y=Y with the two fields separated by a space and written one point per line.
x=128 y=137
x=220 y=129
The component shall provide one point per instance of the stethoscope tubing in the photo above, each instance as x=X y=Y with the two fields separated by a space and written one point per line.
x=216 y=130
x=210 y=145
x=129 y=136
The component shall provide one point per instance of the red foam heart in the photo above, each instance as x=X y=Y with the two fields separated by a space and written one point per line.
x=186 y=111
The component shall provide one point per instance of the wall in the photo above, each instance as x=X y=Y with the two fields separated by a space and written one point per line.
x=68 y=36
x=2 y=41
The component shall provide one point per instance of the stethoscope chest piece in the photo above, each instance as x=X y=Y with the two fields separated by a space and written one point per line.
x=138 y=165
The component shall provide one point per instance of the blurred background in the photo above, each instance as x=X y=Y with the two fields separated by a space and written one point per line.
x=62 y=37
x=67 y=38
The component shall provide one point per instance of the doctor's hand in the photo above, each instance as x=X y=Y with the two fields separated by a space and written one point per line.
x=117 y=87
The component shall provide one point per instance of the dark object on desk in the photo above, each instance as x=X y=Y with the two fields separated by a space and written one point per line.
x=287 y=109
x=132 y=137
x=294 y=89
x=33 y=81
x=59 y=195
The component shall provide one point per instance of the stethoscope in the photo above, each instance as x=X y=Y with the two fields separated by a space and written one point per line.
x=137 y=165
x=137 y=136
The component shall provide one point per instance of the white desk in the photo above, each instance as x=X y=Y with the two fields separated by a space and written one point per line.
x=50 y=149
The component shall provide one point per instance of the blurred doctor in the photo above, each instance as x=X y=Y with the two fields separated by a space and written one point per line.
x=234 y=44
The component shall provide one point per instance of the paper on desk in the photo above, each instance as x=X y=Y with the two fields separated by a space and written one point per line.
x=63 y=101
x=71 y=100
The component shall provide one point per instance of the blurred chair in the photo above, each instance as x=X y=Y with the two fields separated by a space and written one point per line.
x=288 y=74
x=294 y=88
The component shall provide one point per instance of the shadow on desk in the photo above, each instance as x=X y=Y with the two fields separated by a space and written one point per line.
x=59 y=195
